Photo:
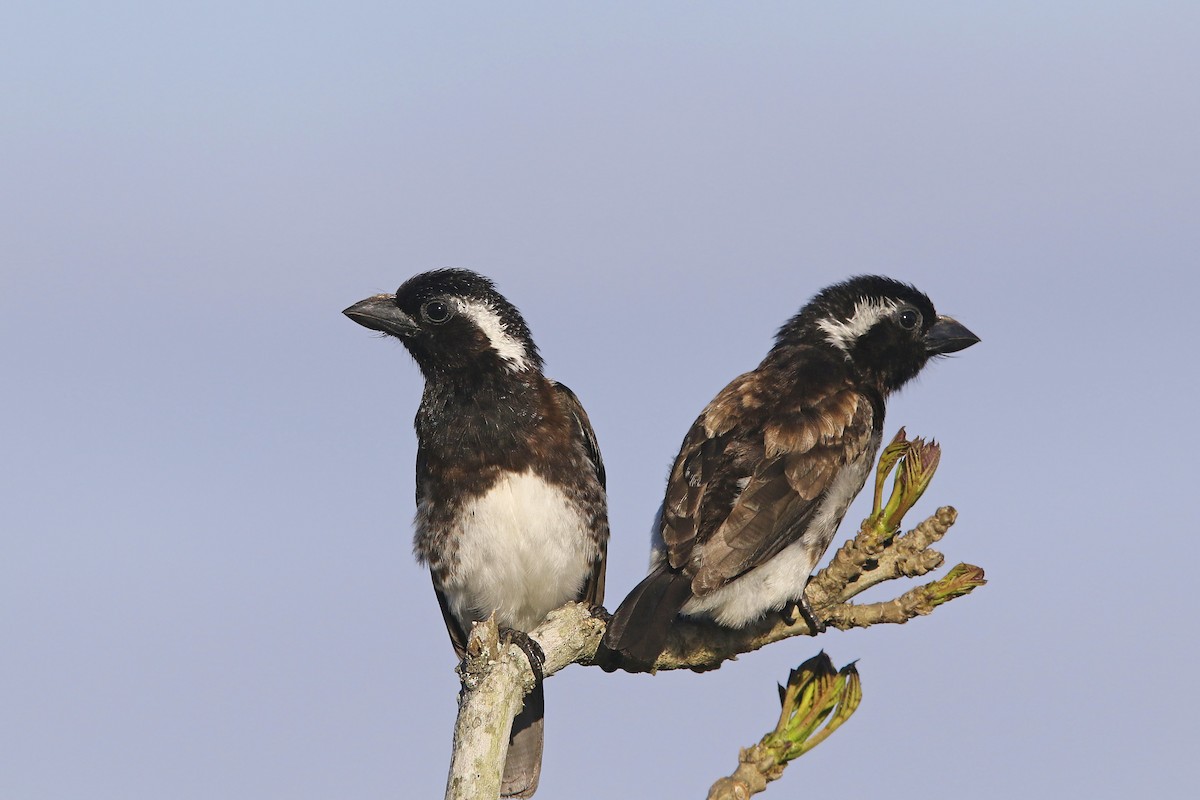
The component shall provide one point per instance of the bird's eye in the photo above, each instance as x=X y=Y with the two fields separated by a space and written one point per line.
x=436 y=311
x=909 y=318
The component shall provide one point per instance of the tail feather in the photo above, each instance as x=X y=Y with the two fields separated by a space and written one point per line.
x=637 y=633
x=523 y=765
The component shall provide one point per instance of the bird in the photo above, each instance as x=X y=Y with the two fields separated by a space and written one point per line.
x=511 y=511
x=767 y=471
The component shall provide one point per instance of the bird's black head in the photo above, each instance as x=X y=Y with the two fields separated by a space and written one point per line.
x=452 y=320
x=887 y=329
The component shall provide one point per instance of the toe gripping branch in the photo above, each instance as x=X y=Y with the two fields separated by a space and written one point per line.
x=532 y=650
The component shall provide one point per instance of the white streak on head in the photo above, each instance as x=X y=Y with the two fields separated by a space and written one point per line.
x=509 y=348
x=867 y=312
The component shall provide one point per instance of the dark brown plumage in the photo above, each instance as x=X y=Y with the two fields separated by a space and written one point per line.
x=511 y=509
x=767 y=471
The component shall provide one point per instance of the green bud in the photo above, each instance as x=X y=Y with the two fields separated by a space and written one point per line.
x=815 y=702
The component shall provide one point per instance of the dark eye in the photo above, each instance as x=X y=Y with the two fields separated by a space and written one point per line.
x=436 y=311
x=909 y=318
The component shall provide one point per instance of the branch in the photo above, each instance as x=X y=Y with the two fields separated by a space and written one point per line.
x=492 y=691
x=700 y=645
x=496 y=678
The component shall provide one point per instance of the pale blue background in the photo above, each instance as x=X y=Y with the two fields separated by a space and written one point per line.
x=206 y=588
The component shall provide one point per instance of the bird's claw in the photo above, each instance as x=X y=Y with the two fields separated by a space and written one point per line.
x=532 y=650
x=801 y=609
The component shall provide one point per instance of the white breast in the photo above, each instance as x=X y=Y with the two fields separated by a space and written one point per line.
x=523 y=550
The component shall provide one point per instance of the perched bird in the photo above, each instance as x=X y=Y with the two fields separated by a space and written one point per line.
x=767 y=471
x=511 y=510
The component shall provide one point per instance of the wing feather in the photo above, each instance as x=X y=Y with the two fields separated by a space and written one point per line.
x=583 y=426
x=593 y=587
x=711 y=448
x=804 y=450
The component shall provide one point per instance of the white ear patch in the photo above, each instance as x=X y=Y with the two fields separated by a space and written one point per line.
x=867 y=312
x=485 y=317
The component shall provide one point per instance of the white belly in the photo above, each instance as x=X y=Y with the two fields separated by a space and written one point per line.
x=523 y=550
x=769 y=587
x=781 y=581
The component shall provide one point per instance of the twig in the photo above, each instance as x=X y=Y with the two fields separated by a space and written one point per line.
x=495 y=679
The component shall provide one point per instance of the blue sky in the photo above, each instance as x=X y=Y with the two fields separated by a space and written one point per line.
x=206 y=587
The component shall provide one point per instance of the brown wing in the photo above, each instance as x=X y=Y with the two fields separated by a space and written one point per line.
x=593 y=589
x=802 y=450
x=583 y=426
x=458 y=637
x=712 y=458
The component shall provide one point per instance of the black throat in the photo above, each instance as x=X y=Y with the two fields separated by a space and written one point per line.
x=469 y=412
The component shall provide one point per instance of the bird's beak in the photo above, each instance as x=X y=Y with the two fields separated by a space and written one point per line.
x=379 y=313
x=948 y=336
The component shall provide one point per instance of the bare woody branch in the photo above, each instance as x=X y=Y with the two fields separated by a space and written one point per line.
x=495 y=678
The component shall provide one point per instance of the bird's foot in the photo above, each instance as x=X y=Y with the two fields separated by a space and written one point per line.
x=801 y=609
x=600 y=612
x=532 y=650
